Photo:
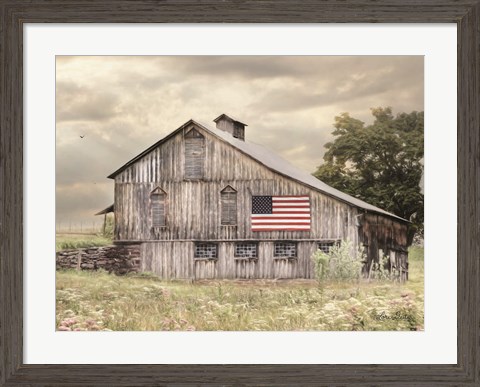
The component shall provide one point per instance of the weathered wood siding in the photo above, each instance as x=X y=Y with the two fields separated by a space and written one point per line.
x=383 y=236
x=193 y=208
x=174 y=259
x=193 y=212
x=229 y=208
x=194 y=144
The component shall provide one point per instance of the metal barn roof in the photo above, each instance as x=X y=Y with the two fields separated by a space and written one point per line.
x=271 y=161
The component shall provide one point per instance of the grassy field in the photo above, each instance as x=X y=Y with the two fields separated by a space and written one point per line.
x=99 y=301
x=77 y=241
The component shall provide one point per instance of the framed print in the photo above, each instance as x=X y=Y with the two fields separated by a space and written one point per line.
x=83 y=124
x=35 y=54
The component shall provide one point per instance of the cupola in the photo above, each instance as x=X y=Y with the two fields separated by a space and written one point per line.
x=231 y=125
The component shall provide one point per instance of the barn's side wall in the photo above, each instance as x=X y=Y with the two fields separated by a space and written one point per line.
x=382 y=236
x=193 y=207
x=174 y=259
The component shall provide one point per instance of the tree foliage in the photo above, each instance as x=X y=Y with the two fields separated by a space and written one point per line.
x=381 y=163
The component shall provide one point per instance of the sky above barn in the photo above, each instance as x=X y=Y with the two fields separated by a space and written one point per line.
x=122 y=105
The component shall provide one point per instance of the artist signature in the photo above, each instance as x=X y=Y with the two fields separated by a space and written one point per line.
x=396 y=316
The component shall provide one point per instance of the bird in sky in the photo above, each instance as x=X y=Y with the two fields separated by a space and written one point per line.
x=82 y=136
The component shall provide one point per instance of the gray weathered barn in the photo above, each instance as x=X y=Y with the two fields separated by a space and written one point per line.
x=205 y=203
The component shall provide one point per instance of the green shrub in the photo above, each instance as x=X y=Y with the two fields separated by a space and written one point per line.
x=379 y=270
x=382 y=271
x=339 y=263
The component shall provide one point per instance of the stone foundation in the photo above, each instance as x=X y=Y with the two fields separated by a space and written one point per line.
x=118 y=259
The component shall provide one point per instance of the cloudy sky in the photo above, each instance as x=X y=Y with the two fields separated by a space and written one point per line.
x=122 y=105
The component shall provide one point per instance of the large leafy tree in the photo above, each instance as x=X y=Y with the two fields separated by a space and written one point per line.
x=381 y=163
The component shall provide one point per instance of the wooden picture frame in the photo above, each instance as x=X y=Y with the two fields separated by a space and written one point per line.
x=15 y=13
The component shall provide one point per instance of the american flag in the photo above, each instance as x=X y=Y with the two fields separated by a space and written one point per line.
x=289 y=213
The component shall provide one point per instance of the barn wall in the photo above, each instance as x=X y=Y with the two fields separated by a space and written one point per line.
x=193 y=207
x=382 y=236
x=193 y=213
x=174 y=260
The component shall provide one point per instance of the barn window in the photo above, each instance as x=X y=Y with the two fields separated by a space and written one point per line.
x=206 y=251
x=228 y=206
x=238 y=131
x=326 y=246
x=246 y=250
x=157 y=203
x=194 y=155
x=285 y=250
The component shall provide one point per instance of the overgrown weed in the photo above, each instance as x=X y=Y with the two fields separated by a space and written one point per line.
x=142 y=302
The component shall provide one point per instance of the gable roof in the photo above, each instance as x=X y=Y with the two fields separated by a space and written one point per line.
x=270 y=160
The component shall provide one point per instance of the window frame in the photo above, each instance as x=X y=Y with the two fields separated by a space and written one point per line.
x=228 y=190
x=239 y=257
x=330 y=242
x=158 y=192
x=294 y=243
x=198 y=258
x=190 y=135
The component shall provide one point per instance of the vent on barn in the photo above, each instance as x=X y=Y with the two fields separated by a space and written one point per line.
x=206 y=251
x=285 y=250
x=325 y=246
x=231 y=125
x=158 y=203
x=228 y=206
x=194 y=155
x=246 y=250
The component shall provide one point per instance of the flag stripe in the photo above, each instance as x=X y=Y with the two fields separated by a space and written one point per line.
x=280 y=227
x=290 y=210
x=277 y=216
x=280 y=224
x=276 y=221
x=281 y=198
x=291 y=205
x=286 y=204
